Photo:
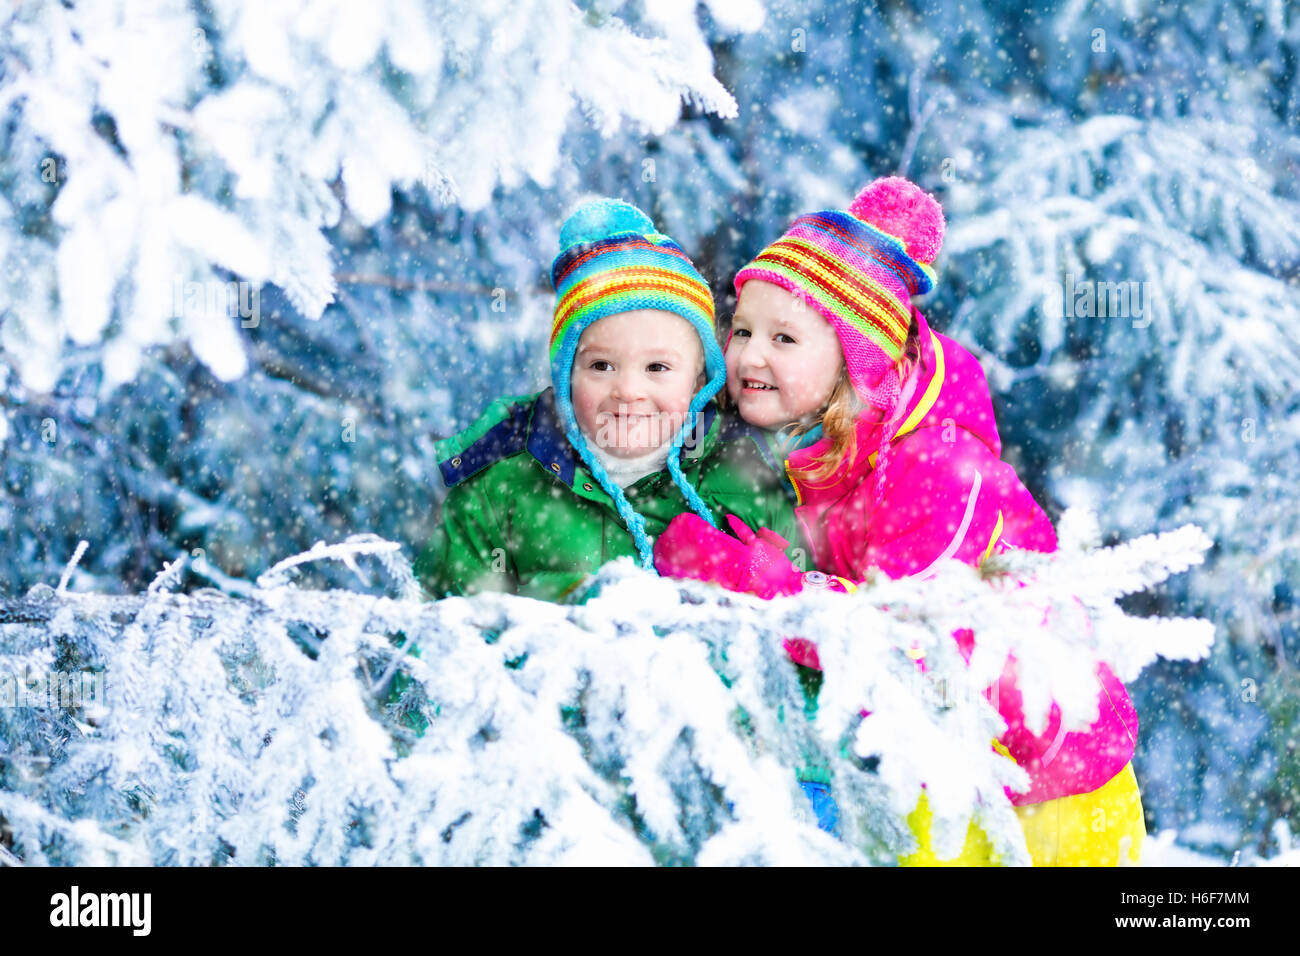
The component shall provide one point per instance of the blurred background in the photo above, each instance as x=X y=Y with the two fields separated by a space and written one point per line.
x=256 y=258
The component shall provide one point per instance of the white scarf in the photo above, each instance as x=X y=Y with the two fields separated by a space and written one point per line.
x=628 y=471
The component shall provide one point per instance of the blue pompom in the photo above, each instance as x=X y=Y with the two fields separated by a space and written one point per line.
x=603 y=217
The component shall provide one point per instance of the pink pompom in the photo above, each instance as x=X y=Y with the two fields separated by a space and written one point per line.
x=901 y=208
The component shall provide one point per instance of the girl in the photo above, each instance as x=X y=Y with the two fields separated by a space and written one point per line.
x=890 y=445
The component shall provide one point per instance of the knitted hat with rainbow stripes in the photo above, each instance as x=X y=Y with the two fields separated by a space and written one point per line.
x=612 y=260
x=860 y=270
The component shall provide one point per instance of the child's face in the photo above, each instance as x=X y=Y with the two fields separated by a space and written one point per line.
x=633 y=379
x=783 y=359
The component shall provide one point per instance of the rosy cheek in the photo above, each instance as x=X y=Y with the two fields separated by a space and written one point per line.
x=683 y=401
x=585 y=399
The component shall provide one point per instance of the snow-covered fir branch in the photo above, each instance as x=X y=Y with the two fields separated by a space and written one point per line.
x=653 y=721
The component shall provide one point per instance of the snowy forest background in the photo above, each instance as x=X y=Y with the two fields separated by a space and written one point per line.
x=256 y=258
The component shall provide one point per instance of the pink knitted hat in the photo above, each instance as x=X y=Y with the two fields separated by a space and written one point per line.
x=860 y=269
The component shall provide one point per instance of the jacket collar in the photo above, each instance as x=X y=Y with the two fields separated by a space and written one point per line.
x=929 y=382
x=547 y=442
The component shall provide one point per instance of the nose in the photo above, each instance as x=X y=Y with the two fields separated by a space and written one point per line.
x=752 y=354
x=628 y=386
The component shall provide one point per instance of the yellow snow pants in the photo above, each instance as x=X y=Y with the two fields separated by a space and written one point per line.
x=1101 y=828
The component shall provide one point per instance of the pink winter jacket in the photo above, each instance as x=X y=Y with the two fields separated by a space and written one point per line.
x=948 y=494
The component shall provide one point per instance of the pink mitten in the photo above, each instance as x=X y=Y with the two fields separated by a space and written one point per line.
x=690 y=547
x=771 y=572
x=756 y=564
x=768 y=572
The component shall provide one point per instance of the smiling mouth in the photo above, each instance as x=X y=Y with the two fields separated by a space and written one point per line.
x=751 y=385
x=626 y=420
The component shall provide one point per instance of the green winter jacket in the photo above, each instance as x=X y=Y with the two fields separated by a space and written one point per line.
x=523 y=515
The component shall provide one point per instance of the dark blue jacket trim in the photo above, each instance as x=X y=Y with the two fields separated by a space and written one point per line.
x=508 y=437
x=547 y=441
